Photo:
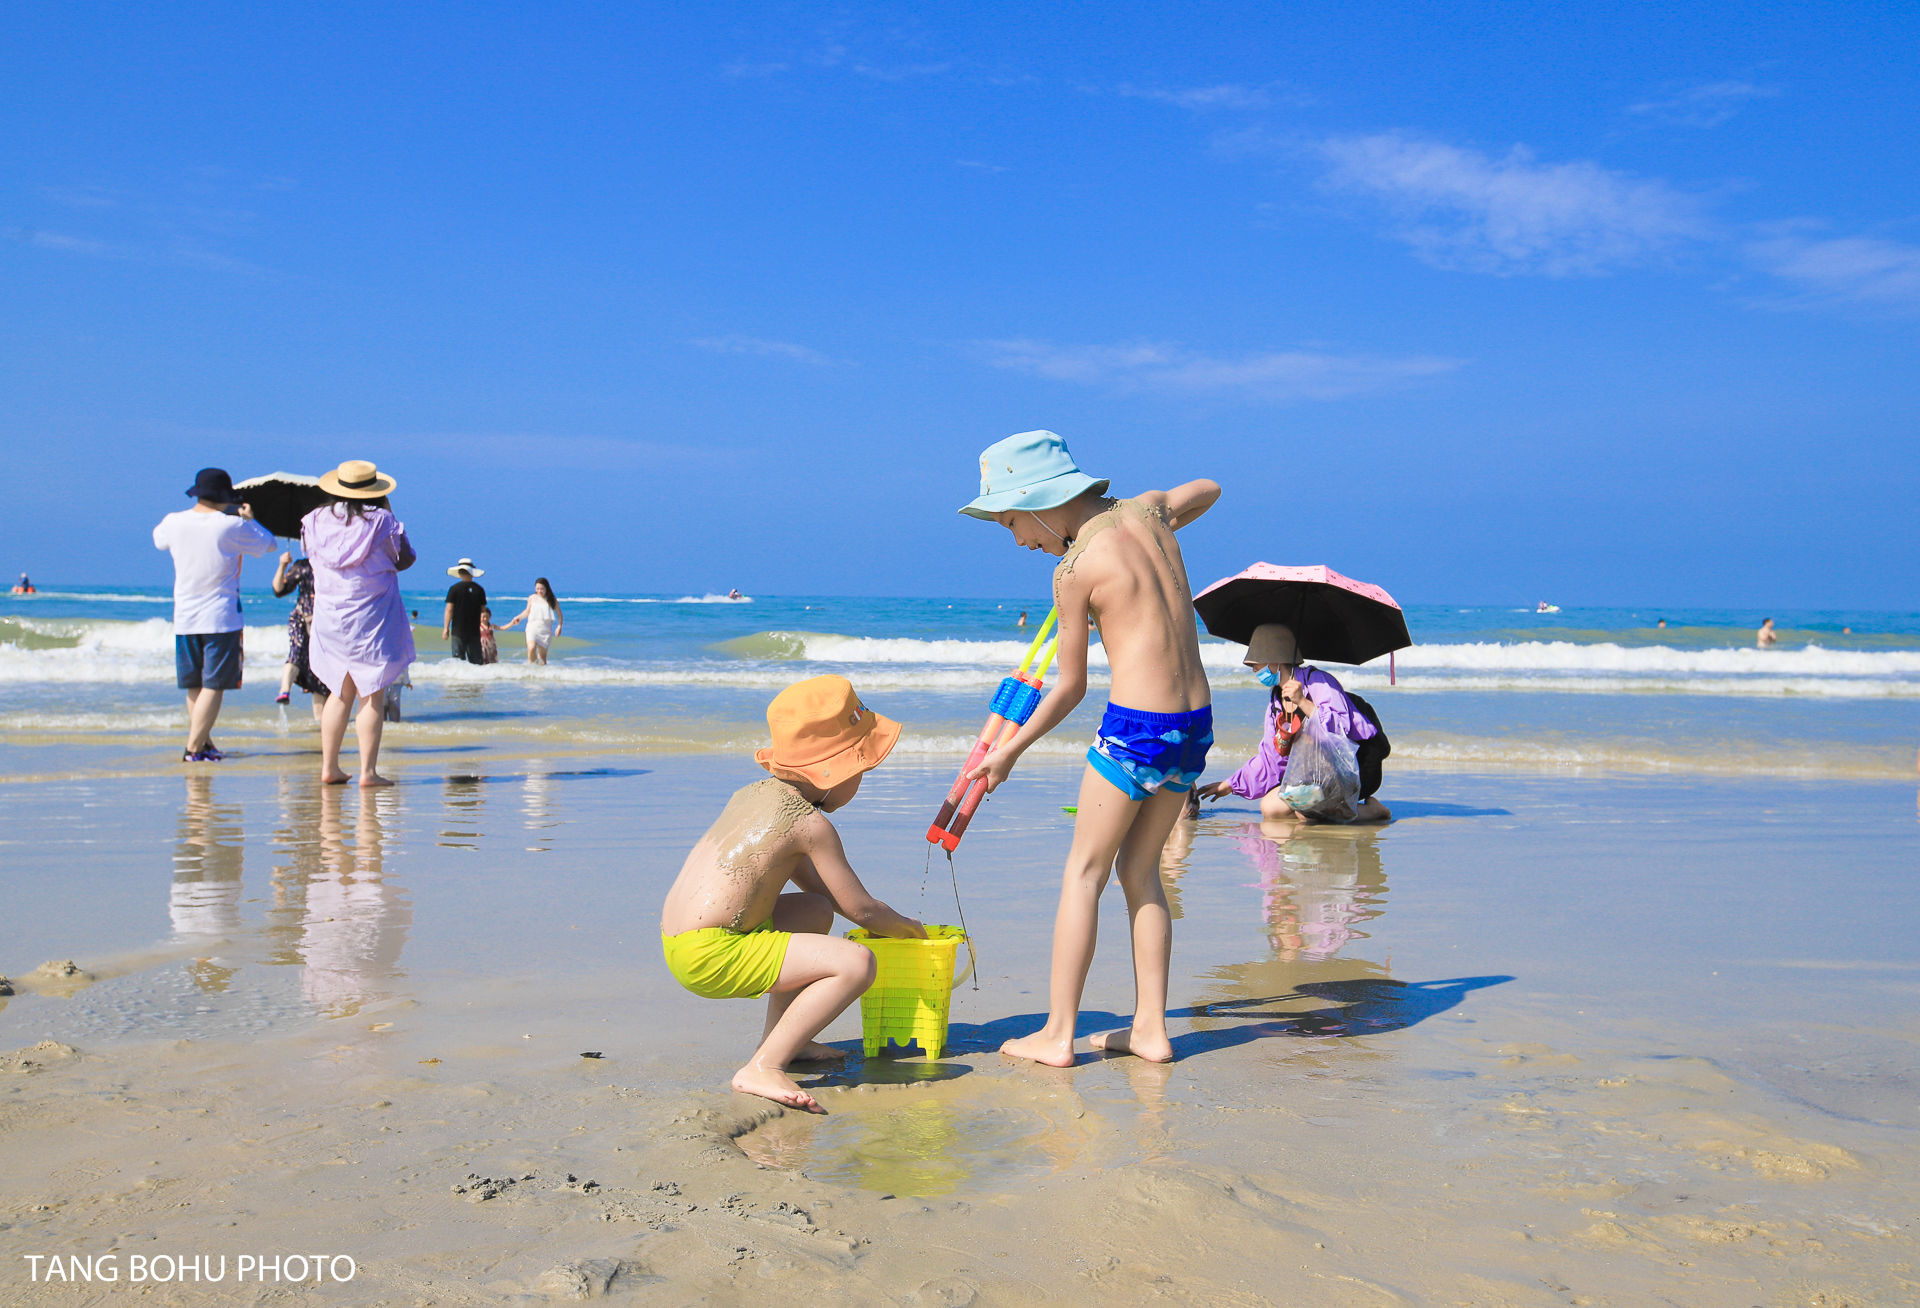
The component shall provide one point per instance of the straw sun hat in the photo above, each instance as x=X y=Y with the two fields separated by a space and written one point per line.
x=823 y=734
x=356 y=479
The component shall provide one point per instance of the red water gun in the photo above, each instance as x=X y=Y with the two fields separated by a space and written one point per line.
x=1012 y=705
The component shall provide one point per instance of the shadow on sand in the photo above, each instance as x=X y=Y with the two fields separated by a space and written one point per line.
x=1315 y=1009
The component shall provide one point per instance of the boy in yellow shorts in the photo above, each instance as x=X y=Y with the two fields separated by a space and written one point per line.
x=727 y=930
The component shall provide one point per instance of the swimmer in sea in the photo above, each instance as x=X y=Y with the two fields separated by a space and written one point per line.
x=1121 y=568
x=727 y=929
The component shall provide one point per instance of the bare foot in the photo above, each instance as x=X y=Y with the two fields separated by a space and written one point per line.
x=369 y=780
x=334 y=778
x=1155 y=1049
x=1041 y=1048
x=772 y=1083
x=815 y=1052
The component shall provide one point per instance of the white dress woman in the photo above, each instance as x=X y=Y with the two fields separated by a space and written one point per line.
x=543 y=618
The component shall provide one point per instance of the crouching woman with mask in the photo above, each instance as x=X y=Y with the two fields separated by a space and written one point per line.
x=1274 y=657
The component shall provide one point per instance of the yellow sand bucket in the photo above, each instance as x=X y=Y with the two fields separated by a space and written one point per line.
x=908 y=1000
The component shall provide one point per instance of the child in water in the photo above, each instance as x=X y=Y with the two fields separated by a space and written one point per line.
x=489 y=645
x=1119 y=567
x=727 y=930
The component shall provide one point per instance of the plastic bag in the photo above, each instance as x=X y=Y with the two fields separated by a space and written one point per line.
x=1322 y=780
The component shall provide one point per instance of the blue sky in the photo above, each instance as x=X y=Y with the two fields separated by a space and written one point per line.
x=1480 y=302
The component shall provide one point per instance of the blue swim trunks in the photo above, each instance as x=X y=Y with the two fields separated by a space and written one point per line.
x=1142 y=753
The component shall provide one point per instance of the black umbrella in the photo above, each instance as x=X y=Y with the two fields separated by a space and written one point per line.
x=281 y=499
x=1334 y=618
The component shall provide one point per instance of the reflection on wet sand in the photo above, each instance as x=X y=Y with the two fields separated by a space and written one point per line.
x=296 y=847
x=930 y=1137
x=536 y=803
x=353 y=916
x=1318 y=885
x=464 y=804
x=208 y=864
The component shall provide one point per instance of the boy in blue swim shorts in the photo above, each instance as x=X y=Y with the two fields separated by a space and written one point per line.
x=1120 y=569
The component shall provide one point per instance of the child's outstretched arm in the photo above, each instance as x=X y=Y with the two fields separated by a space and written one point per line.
x=827 y=872
x=1070 y=594
x=1185 y=503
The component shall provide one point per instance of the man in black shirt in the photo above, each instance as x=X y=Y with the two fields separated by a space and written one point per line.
x=465 y=599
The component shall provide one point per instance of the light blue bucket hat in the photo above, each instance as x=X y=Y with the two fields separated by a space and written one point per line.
x=1030 y=471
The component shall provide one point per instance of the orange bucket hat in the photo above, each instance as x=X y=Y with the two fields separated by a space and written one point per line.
x=823 y=734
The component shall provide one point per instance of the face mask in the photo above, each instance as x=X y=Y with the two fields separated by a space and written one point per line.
x=1268 y=677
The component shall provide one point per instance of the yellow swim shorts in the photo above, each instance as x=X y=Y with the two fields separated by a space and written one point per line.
x=721 y=963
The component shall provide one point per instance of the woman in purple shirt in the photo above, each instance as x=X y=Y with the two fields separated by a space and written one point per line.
x=362 y=639
x=1274 y=656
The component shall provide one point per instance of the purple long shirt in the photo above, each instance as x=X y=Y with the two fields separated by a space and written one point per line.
x=360 y=624
x=1268 y=766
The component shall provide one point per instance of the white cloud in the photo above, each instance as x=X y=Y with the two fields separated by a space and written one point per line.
x=1459 y=208
x=581 y=453
x=1861 y=269
x=66 y=244
x=1223 y=96
x=1271 y=375
x=81 y=197
x=1708 y=105
x=980 y=165
x=755 y=345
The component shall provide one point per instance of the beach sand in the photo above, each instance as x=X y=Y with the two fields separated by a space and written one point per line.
x=1542 y=1041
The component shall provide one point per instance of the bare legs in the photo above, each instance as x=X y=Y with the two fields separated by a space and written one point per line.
x=367 y=727
x=203 y=706
x=820 y=977
x=1275 y=809
x=536 y=652
x=1110 y=827
x=1152 y=929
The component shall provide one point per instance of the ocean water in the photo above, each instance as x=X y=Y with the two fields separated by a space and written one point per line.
x=1604 y=690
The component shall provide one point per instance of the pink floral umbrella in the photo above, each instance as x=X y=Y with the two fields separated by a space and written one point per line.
x=1334 y=618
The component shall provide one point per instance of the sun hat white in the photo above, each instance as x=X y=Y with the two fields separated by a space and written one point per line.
x=466 y=565
x=1032 y=470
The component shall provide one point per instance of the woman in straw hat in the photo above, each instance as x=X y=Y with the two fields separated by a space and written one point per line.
x=361 y=641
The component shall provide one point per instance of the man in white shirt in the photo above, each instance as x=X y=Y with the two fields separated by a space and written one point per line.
x=207 y=541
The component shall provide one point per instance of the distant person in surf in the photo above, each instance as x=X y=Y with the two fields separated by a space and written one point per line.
x=1766 y=637
x=543 y=618
x=207 y=542
x=465 y=598
x=1274 y=657
x=24 y=586
x=489 y=646
x=727 y=929
x=296 y=575
x=1120 y=566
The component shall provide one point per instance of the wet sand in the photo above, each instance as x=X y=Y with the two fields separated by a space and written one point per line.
x=1542 y=1041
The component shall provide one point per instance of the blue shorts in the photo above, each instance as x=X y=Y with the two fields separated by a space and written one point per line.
x=1143 y=753
x=207 y=662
